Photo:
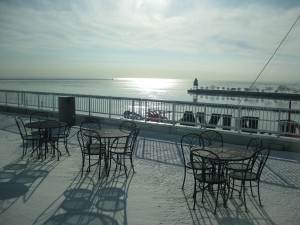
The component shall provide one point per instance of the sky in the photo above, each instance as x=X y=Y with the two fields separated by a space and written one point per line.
x=204 y=39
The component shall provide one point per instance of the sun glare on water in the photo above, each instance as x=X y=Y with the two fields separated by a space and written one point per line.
x=152 y=84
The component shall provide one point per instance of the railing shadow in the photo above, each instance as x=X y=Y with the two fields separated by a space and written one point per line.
x=161 y=151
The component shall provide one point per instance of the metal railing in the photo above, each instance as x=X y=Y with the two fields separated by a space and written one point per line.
x=254 y=119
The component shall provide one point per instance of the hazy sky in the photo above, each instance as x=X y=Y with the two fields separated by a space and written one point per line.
x=207 y=39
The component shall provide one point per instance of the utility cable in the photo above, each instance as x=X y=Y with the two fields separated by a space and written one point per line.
x=271 y=57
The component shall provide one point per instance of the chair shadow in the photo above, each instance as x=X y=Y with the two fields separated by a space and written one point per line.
x=89 y=200
x=21 y=178
x=234 y=213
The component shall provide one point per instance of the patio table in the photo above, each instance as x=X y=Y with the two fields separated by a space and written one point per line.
x=107 y=135
x=46 y=126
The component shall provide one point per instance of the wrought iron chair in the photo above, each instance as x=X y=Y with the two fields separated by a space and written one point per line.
x=123 y=148
x=127 y=126
x=37 y=116
x=253 y=145
x=189 y=142
x=212 y=138
x=251 y=174
x=207 y=178
x=91 y=125
x=57 y=134
x=26 y=138
x=91 y=146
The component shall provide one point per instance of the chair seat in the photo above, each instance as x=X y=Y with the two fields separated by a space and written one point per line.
x=94 y=150
x=240 y=175
x=120 y=151
x=32 y=137
x=211 y=178
x=37 y=133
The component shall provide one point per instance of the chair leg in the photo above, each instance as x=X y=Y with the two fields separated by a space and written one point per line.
x=244 y=193
x=131 y=162
x=251 y=188
x=66 y=146
x=100 y=158
x=216 y=203
x=183 y=178
x=203 y=189
x=258 y=193
x=195 y=194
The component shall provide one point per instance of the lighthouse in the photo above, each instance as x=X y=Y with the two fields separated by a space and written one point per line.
x=195 y=86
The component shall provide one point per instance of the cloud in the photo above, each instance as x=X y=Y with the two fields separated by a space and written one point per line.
x=157 y=29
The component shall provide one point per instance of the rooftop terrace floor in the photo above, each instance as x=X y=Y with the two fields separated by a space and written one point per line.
x=53 y=192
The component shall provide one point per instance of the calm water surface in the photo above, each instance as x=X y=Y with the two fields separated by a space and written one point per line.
x=147 y=88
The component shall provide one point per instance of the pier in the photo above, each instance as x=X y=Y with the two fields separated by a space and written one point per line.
x=254 y=94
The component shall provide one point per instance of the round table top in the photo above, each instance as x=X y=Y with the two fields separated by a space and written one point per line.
x=226 y=153
x=45 y=124
x=107 y=133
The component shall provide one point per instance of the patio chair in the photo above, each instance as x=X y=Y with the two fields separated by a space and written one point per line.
x=212 y=138
x=91 y=124
x=189 y=142
x=91 y=149
x=206 y=178
x=123 y=148
x=57 y=134
x=251 y=174
x=127 y=126
x=37 y=116
x=26 y=138
x=253 y=145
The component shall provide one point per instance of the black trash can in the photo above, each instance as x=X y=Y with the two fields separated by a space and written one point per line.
x=66 y=109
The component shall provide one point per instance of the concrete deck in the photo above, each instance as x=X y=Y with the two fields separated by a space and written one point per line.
x=53 y=192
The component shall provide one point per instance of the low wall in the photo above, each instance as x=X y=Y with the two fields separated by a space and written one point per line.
x=230 y=137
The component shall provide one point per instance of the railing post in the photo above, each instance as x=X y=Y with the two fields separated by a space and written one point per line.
x=173 y=113
x=38 y=101
x=53 y=102
x=278 y=124
x=18 y=99
x=109 y=107
x=89 y=106
x=132 y=109
x=239 y=120
x=146 y=110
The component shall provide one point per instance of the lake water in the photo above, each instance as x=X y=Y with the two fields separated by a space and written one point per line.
x=148 y=88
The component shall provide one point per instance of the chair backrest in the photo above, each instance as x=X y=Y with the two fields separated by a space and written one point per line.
x=54 y=130
x=189 y=142
x=21 y=127
x=86 y=140
x=91 y=125
x=127 y=126
x=127 y=142
x=136 y=132
x=208 y=159
x=212 y=138
x=258 y=161
x=254 y=144
x=36 y=116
